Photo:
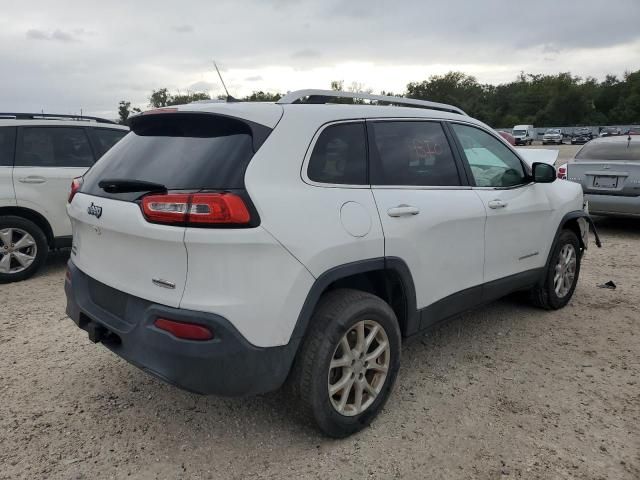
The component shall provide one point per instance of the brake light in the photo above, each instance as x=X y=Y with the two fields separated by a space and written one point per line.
x=196 y=209
x=187 y=331
x=76 y=183
x=562 y=173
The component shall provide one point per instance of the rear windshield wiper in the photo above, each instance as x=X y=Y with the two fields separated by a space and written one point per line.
x=120 y=185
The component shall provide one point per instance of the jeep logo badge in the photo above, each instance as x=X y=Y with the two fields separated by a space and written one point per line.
x=94 y=210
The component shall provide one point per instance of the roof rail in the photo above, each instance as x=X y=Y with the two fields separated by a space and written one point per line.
x=323 y=96
x=53 y=116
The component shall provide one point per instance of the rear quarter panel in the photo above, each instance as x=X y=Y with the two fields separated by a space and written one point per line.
x=306 y=218
x=246 y=276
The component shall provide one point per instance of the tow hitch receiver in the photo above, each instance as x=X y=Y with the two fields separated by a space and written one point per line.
x=96 y=332
x=99 y=334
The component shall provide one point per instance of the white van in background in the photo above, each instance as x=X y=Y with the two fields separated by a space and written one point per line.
x=524 y=134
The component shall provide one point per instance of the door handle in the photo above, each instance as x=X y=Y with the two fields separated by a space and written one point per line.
x=497 y=204
x=403 y=211
x=32 y=179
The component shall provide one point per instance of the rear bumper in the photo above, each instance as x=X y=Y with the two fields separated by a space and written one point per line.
x=225 y=365
x=613 y=205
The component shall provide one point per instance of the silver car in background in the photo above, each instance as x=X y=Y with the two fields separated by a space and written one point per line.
x=552 y=135
x=609 y=170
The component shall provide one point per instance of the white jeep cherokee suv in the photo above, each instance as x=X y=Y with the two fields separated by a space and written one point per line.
x=39 y=155
x=228 y=248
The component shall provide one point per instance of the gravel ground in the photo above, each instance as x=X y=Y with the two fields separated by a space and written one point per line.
x=507 y=391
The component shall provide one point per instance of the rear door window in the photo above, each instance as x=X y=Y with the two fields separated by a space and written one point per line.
x=492 y=163
x=179 y=151
x=340 y=155
x=411 y=153
x=7 y=146
x=54 y=147
x=105 y=138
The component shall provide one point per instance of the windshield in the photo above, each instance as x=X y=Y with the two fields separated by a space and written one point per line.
x=582 y=130
x=626 y=150
x=553 y=131
x=519 y=132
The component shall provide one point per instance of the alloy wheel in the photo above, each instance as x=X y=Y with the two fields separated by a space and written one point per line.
x=358 y=368
x=565 y=270
x=18 y=250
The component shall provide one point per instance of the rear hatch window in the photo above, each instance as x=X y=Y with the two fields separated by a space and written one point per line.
x=182 y=151
x=612 y=150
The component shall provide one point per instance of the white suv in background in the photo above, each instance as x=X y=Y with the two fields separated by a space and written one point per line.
x=231 y=248
x=39 y=156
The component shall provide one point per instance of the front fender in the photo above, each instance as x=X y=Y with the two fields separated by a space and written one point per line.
x=585 y=222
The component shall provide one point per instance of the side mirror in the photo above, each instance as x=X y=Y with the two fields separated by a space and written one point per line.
x=543 y=173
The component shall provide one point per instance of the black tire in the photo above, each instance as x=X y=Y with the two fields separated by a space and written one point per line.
x=544 y=295
x=42 y=247
x=338 y=311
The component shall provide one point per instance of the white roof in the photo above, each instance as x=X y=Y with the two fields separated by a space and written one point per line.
x=269 y=114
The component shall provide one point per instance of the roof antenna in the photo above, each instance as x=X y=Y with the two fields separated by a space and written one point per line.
x=229 y=97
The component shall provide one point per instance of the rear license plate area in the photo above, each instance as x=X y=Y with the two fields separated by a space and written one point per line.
x=107 y=298
x=602 y=181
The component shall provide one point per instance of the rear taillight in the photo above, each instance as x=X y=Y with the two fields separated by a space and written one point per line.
x=562 y=173
x=76 y=183
x=196 y=209
x=184 y=330
x=170 y=208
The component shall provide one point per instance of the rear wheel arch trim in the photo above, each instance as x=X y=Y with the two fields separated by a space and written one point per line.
x=33 y=216
x=319 y=287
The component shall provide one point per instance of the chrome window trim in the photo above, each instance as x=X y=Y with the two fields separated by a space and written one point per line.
x=421 y=187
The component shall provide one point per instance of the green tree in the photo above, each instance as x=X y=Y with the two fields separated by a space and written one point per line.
x=162 y=98
x=260 y=96
x=182 y=99
x=125 y=111
x=454 y=88
x=544 y=100
x=159 y=98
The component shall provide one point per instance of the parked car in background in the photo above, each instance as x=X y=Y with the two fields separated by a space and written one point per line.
x=524 y=134
x=581 y=135
x=229 y=247
x=552 y=135
x=507 y=136
x=610 y=131
x=633 y=131
x=609 y=171
x=39 y=157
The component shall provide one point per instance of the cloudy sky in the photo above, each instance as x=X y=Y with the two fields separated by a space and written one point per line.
x=63 y=55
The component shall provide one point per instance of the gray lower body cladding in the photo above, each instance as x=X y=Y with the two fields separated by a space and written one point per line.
x=226 y=365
